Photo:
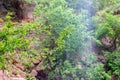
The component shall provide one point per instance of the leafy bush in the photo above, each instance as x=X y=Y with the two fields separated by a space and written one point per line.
x=85 y=70
x=14 y=38
x=65 y=40
x=63 y=45
x=108 y=25
x=56 y=14
x=112 y=63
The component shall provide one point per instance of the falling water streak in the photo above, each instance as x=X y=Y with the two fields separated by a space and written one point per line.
x=88 y=22
x=88 y=51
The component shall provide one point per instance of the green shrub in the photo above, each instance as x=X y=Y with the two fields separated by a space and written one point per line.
x=64 y=47
x=14 y=38
x=112 y=64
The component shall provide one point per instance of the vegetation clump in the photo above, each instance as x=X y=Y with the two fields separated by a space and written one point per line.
x=60 y=39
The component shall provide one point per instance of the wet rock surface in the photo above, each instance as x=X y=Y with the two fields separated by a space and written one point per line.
x=17 y=73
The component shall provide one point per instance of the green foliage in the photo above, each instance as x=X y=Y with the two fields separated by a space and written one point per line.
x=104 y=29
x=63 y=44
x=56 y=14
x=13 y=38
x=52 y=55
x=96 y=73
x=105 y=3
x=109 y=26
x=2 y=62
x=30 y=78
x=74 y=44
x=91 y=70
x=113 y=63
x=65 y=39
x=65 y=71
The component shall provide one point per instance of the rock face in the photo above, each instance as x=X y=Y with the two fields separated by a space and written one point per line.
x=4 y=76
x=20 y=9
x=41 y=75
x=33 y=73
x=28 y=12
x=115 y=77
x=3 y=10
x=108 y=43
x=117 y=12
